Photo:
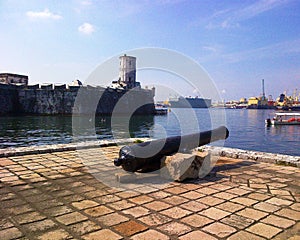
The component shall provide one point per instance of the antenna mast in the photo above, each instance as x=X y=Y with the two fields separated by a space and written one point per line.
x=263 y=89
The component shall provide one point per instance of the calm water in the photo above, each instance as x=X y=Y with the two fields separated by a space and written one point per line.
x=247 y=129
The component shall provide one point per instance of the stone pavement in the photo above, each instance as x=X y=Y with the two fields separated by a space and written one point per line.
x=57 y=196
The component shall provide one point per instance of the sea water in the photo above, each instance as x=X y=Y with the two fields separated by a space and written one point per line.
x=247 y=129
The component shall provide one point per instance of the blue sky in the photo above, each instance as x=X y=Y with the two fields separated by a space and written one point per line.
x=237 y=42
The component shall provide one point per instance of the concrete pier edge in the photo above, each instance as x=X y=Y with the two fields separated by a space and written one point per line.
x=20 y=151
x=281 y=159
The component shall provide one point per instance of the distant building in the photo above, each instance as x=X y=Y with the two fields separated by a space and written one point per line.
x=258 y=102
x=253 y=101
x=127 y=74
x=243 y=100
x=14 y=79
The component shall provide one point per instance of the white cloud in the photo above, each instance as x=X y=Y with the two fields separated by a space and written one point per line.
x=230 y=18
x=46 y=14
x=258 y=8
x=227 y=24
x=273 y=51
x=86 y=28
x=210 y=49
x=86 y=2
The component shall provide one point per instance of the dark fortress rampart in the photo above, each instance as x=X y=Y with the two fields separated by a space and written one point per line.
x=63 y=100
x=124 y=96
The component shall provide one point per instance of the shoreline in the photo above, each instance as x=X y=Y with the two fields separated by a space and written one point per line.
x=235 y=153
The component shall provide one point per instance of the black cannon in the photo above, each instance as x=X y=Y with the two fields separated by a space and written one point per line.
x=147 y=156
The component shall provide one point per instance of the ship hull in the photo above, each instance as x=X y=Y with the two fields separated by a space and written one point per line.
x=190 y=103
x=260 y=107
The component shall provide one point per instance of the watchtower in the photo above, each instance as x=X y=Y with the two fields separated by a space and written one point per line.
x=127 y=77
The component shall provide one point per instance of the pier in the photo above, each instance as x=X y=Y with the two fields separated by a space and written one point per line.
x=52 y=194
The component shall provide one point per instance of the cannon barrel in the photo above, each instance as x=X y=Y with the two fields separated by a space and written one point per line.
x=147 y=155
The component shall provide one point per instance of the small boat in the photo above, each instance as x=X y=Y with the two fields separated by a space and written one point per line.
x=284 y=119
x=295 y=107
x=161 y=109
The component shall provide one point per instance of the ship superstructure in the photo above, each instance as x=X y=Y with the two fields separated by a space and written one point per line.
x=189 y=102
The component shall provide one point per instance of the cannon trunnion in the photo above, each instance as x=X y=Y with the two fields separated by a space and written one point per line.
x=147 y=156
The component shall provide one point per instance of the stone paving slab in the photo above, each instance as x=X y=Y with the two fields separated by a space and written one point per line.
x=64 y=195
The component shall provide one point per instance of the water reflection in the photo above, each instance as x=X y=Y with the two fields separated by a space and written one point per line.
x=124 y=127
x=284 y=132
x=24 y=131
x=41 y=130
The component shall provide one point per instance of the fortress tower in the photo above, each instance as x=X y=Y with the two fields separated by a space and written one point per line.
x=127 y=77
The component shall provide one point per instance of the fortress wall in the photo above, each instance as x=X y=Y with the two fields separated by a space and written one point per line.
x=69 y=99
x=42 y=101
x=126 y=102
x=49 y=101
x=89 y=100
x=8 y=99
x=108 y=101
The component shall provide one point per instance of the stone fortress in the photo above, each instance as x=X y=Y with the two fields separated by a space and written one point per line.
x=17 y=97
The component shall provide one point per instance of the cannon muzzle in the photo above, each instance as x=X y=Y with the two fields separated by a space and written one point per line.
x=147 y=156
